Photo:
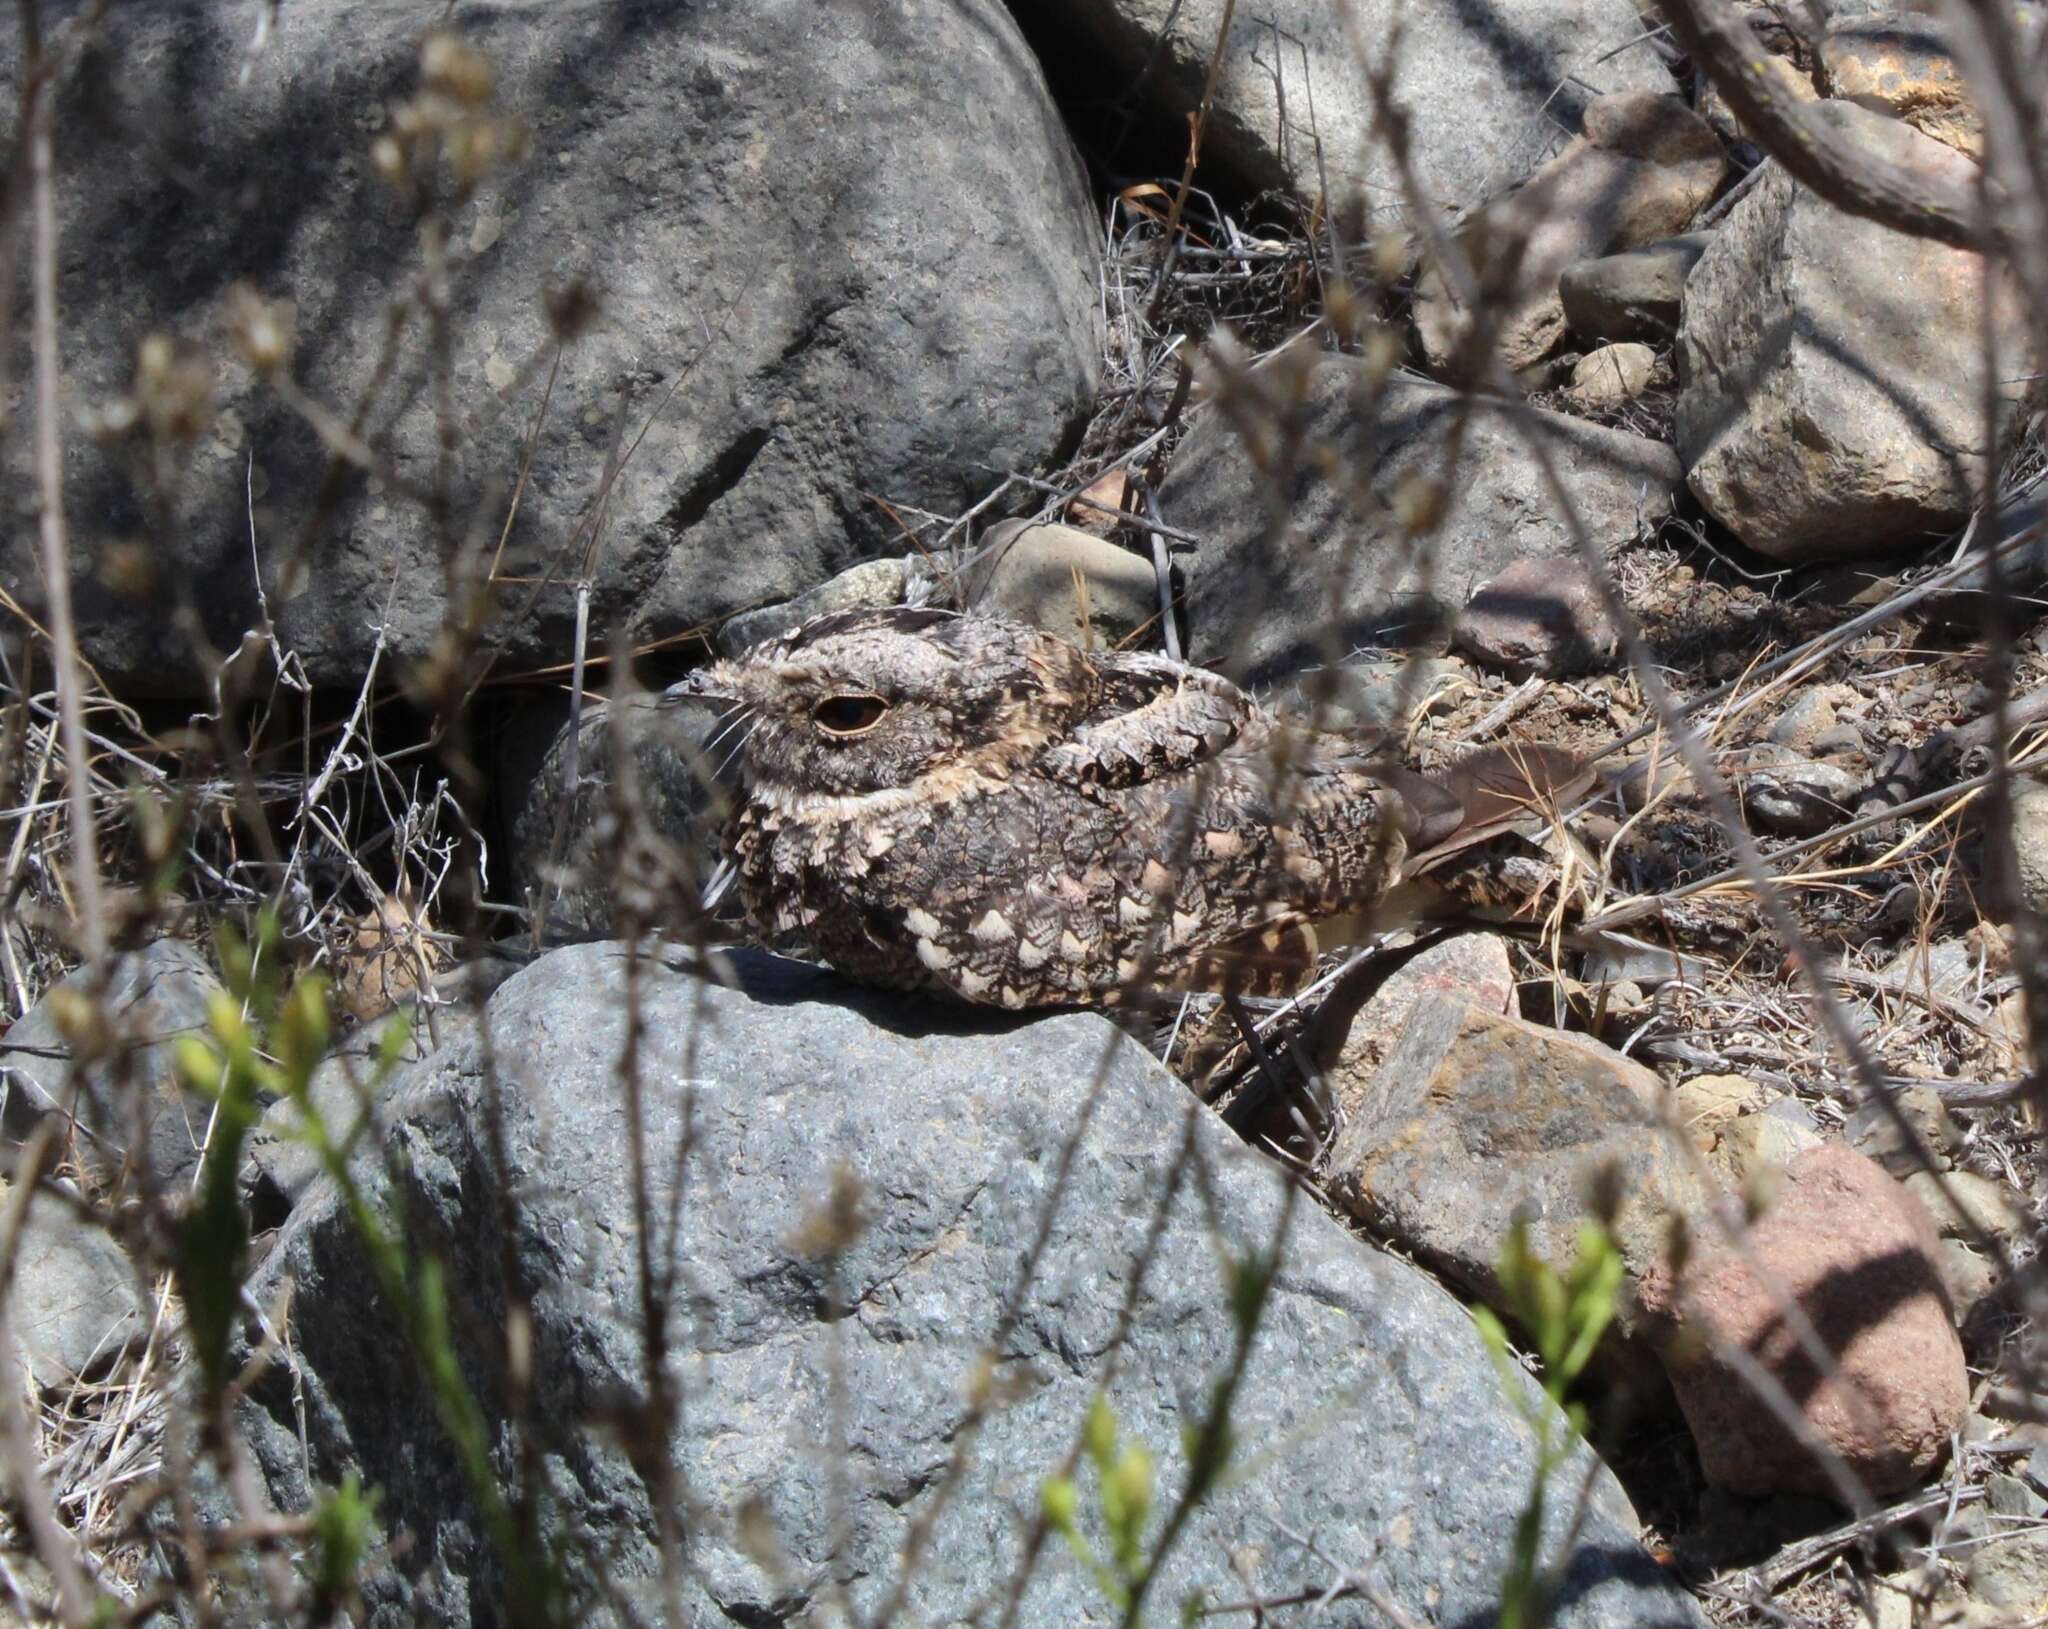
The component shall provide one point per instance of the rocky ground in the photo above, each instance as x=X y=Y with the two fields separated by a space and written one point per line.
x=1563 y=415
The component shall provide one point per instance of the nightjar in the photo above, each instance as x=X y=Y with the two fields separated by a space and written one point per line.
x=960 y=803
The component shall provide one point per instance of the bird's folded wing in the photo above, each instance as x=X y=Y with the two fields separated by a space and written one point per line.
x=1155 y=716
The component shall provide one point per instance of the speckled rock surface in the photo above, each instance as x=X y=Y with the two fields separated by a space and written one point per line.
x=1485 y=89
x=802 y=299
x=1369 y=1408
x=1476 y=1118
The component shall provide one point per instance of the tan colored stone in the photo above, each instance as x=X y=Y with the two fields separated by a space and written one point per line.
x=1641 y=170
x=2010 y=1576
x=1758 y=1147
x=1611 y=377
x=1860 y=1259
x=1913 y=1599
x=1964 y=1204
x=1706 y=1102
x=1473 y=967
x=1068 y=582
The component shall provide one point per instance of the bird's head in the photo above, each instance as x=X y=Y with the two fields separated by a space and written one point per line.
x=866 y=701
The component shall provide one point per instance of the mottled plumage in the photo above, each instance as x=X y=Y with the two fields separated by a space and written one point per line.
x=936 y=801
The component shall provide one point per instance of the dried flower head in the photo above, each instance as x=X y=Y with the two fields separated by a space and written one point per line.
x=260 y=330
x=388 y=159
x=1392 y=252
x=836 y=1223
x=112 y=419
x=1345 y=310
x=476 y=147
x=174 y=387
x=447 y=122
x=455 y=69
x=1382 y=353
x=128 y=568
x=1420 y=504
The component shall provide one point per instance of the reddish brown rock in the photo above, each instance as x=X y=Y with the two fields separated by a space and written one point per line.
x=1859 y=1256
x=1539 y=616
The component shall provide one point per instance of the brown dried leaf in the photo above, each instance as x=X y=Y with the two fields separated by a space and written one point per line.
x=1105 y=495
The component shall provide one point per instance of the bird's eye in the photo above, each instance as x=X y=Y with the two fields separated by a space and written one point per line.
x=849 y=715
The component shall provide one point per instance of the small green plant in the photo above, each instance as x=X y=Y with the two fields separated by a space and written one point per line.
x=343 y=1521
x=230 y=1066
x=265 y=1041
x=1565 y=1314
x=1124 y=1489
x=1125 y=1473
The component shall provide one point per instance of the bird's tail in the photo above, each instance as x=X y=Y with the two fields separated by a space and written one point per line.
x=1482 y=795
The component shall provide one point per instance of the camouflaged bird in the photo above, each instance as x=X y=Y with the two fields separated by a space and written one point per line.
x=935 y=801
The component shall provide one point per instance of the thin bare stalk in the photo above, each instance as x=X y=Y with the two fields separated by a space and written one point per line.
x=49 y=462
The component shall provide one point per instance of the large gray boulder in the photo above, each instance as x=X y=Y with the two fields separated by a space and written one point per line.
x=1369 y=1414
x=1264 y=604
x=1486 y=88
x=843 y=252
x=1831 y=370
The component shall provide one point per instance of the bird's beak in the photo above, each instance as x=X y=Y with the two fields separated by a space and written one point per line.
x=713 y=683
